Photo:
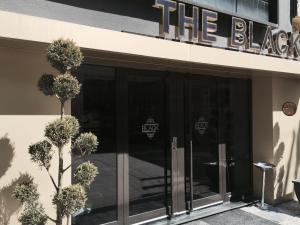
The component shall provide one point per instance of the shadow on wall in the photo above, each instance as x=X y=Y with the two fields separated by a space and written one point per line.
x=8 y=205
x=285 y=171
x=7 y=152
x=277 y=158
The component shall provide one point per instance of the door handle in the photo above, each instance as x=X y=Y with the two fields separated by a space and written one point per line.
x=211 y=163
x=174 y=144
x=191 y=176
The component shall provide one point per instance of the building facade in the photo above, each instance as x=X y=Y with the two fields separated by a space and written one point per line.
x=183 y=95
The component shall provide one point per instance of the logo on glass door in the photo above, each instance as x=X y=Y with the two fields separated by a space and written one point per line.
x=201 y=125
x=150 y=128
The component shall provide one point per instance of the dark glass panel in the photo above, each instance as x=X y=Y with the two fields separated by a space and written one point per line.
x=229 y=5
x=256 y=9
x=147 y=162
x=234 y=102
x=96 y=112
x=204 y=130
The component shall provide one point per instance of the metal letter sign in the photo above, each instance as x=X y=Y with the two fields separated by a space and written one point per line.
x=188 y=22
x=282 y=44
x=268 y=42
x=167 y=6
x=208 y=17
x=251 y=45
x=294 y=45
x=150 y=128
x=238 y=32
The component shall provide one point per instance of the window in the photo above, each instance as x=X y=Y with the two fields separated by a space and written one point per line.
x=261 y=10
x=257 y=9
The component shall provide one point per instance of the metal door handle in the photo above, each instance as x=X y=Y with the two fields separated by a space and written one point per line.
x=174 y=144
x=211 y=163
x=191 y=175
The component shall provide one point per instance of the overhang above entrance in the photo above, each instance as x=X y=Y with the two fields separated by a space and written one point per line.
x=45 y=30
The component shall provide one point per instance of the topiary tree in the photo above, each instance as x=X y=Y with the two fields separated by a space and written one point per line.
x=64 y=56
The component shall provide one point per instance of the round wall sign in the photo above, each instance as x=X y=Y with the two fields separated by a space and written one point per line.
x=289 y=108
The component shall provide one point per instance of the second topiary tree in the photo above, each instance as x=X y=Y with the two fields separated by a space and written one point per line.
x=64 y=56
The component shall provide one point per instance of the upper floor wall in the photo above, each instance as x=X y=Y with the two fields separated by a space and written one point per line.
x=138 y=16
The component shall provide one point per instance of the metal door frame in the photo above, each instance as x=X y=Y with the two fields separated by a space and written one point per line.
x=123 y=74
x=221 y=196
x=176 y=108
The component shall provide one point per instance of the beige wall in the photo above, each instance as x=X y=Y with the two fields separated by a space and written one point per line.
x=262 y=131
x=286 y=138
x=24 y=112
x=276 y=137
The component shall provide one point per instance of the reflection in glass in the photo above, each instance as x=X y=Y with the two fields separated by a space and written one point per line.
x=219 y=114
x=229 y=5
x=204 y=129
x=146 y=144
x=257 y=9
x=97 y=114
x=234 y=101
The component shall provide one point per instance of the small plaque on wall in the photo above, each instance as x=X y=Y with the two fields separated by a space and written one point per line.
x=289 y=108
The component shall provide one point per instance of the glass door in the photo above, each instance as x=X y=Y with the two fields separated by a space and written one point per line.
x=147 y=146
x=168 y=142
x=96 y=110
x=204 y=172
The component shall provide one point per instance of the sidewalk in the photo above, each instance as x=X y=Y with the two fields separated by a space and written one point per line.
x=283 y=214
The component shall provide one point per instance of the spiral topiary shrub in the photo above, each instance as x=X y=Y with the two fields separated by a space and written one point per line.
x=85 y=174
x=86 y=143
x=66 y=87
x=60 y=131
x=26 y=192
x=41 y=153
x=33 y=215
x=70 y=199
x=65 y=56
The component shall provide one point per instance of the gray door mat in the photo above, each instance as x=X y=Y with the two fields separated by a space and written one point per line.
x=201 y=213
x=234 y=217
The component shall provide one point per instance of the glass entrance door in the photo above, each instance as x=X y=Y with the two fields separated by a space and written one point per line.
x=96 y=112
x=147 y=146
x=202 y=156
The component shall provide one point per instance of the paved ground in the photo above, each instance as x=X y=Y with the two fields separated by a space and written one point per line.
x=284 y=214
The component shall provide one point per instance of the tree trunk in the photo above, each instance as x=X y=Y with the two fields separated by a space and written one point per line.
x=60 y=173
x=59 y=185
x=62 y=110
